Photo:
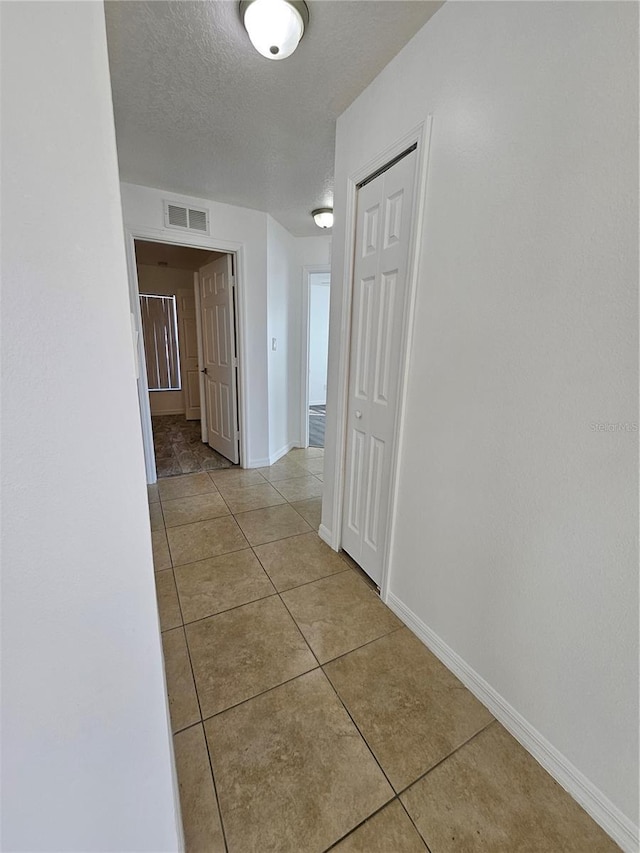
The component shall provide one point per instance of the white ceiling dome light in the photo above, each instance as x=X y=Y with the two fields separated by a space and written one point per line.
x=275 y=27
x=323 y=217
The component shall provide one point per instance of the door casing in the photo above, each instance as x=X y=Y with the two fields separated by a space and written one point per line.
x=211 y=244
x=421 y=135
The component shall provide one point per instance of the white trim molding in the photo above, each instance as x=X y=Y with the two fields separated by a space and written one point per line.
x=258 y=463
x=584 y=792
x=174 y=411
x=273 y=458
x=325 y=534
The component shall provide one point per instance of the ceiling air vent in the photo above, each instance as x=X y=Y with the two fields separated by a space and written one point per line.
x=186 y=218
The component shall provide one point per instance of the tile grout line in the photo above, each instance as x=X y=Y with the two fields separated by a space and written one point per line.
x=235 y=551
x=234 y=513
x=447 y=756
x=357 y=826
x=307 y=643
x=184 y=625
x=262 y=597
x=404 y=790
x=223 y=554
x=276 y=591
x=363 y=646
x=397 y=794
x=183 y=628
x=280 y=684
x=279 y=593
x=406 y=811
x=348 y=567
x=201 y=722
x=294 y=622
x=321 y=665
x=334 y=689
x=257 y=695
x=228 y=609
x=215 y=787
x=365 y=741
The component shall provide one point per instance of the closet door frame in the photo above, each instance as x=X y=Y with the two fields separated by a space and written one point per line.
x=420 y=136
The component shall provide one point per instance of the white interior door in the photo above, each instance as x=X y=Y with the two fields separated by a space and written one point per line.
x=383 y=231
x=220 y=363
x=188 y=343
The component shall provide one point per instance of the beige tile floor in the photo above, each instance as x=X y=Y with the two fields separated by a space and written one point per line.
x=306 y=717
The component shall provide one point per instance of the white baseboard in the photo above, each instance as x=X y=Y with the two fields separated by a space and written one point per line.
x=273 y=458
x=258 y=463
x=325 y=534
x=592 y=800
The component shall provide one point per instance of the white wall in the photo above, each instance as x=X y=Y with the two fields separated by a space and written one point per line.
x=280 y=275
x=85 y=733
x=318 y=338
x=516 y=521
x=232 y=229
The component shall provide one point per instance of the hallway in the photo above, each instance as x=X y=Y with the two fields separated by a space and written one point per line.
x=305 y=715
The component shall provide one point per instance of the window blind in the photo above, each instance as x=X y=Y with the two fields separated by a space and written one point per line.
x=160 y=331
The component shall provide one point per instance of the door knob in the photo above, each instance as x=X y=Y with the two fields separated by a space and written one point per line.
x=204 y=370
x=358 y=415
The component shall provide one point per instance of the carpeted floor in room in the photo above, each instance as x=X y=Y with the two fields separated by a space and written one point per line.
x=317 y=416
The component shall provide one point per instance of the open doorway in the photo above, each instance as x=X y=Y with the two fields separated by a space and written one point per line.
x=179 y=401
x=317 y=349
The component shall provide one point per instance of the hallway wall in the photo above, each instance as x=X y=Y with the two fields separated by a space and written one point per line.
x=280 y=272
x=86 y=754
x=311 y=252
x=516 y=521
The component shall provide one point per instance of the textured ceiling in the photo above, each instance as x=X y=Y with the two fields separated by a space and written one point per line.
x=199 y=112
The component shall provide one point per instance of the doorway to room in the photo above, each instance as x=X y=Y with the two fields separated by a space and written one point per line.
x=315 y=398
x=190 y=355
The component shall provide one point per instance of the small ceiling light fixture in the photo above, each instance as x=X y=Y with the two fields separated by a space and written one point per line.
x=275 y=26
x=323 y=217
